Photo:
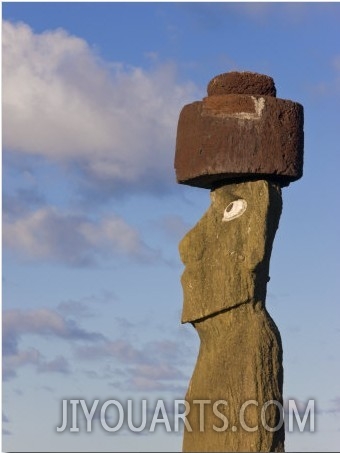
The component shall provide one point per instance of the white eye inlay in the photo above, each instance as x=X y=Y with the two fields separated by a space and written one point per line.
x=234 y=209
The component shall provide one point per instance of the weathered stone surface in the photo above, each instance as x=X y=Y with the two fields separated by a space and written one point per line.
x=224 y=285
x=230 y=137
x=227 y=263
x=242 y=83
x=244 y=144
x=240 y=360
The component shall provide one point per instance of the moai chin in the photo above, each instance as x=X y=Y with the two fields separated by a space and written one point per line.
x=244 y=144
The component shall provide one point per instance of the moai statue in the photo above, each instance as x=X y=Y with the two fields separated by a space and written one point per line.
x=243 y=144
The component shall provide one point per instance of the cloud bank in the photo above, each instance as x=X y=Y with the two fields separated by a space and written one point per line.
x=44 y=323
x=108 y=127
x=76 y=240
x=62 y=102
x=152 y=366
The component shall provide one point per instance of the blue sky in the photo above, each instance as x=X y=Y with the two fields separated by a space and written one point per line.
x=92 y=215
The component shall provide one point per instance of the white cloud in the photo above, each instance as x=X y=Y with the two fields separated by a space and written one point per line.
x=61 y=101
x=31 y=356
x=72 y=239
x=58 y=365
x=149 y=367
x=44 y=323
x=121 y=350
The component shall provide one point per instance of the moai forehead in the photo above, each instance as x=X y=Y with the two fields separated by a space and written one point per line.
x=241 y=131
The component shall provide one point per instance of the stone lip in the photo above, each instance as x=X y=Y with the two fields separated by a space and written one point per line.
x=242 y=83
x=228 y=137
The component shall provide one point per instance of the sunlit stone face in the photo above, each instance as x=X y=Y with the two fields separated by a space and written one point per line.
x=226 y=255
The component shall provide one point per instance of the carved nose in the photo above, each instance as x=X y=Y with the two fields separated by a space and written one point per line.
x=191 y=247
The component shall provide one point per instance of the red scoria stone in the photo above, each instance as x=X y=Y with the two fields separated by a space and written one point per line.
x=241 y=131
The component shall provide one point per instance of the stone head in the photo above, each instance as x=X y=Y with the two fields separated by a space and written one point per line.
x=226 y=255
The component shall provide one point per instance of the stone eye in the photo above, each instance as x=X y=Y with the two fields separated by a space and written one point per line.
x=234 y=209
